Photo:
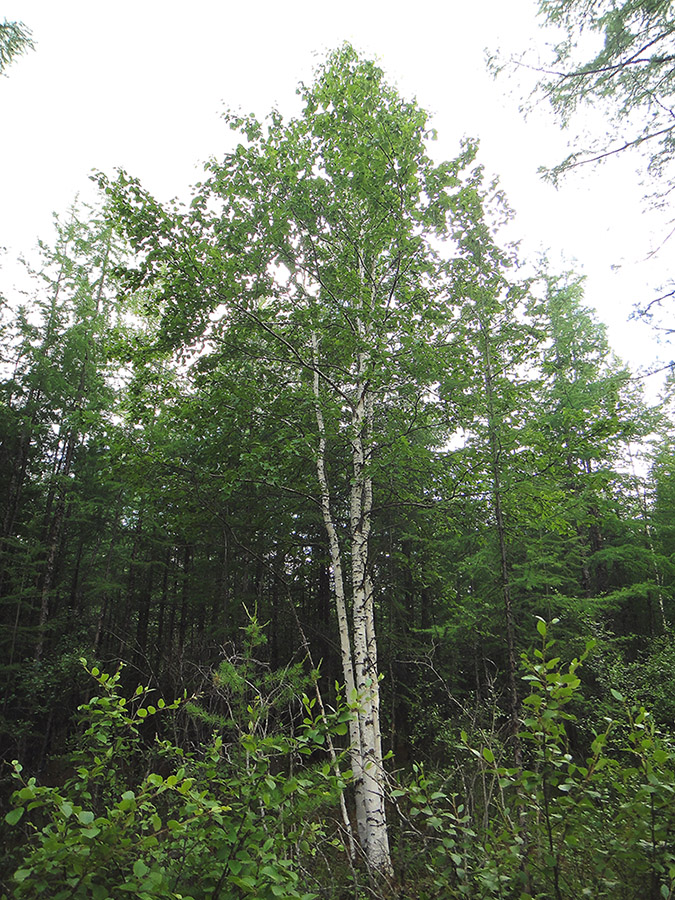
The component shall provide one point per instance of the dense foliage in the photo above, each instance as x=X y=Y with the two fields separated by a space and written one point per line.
x=315 y=426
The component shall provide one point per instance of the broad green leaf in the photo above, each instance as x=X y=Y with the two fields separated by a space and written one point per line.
x=14 y=815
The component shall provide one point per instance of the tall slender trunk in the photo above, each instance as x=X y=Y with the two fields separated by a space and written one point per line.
x=163 y=596
x=144 y=604
x=495 y=451
x=60 y=485
x=124 y=635
x=184 y=598
x=336 y=563
x=100 y=619
x=219 y=608
x=55 y=536
x=18 y=476
x=657 y=575
x=75 y=584
x=358 y=647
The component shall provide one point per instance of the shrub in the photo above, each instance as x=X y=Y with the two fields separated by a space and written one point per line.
x=207 y=829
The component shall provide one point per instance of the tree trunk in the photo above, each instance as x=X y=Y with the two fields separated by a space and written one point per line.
x=55 y=535
x=358 y=649
x=495 y=470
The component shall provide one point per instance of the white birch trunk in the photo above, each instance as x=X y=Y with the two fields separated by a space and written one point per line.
x=373 y=830
x=338 y=584
x=359 y=650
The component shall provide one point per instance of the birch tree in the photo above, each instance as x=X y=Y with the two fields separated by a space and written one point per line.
x=310 y=244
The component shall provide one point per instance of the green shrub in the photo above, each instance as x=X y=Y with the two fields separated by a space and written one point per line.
x=562 y=826
x=208 y=829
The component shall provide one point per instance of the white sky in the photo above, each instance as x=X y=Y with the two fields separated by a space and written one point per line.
x=140 y=84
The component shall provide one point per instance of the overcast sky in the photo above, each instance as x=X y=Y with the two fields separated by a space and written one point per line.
x=141 y=84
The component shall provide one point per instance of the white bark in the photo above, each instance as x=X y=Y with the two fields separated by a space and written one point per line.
x=338 y=581
x=359 y=650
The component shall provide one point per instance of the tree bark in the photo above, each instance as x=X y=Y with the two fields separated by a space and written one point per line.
x=358 y=648
x=495 y=470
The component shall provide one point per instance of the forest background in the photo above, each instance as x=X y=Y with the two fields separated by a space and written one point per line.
x=316 y=497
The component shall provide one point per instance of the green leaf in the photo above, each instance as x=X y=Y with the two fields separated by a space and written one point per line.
x=14 y=815
x=140 y=869
x=488 y=755
x=661 y=756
